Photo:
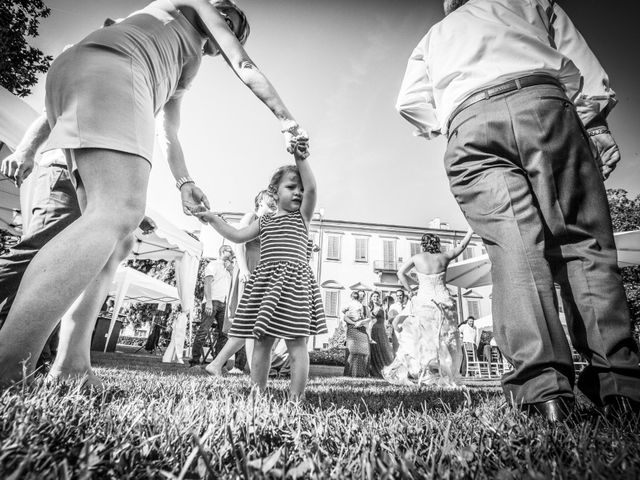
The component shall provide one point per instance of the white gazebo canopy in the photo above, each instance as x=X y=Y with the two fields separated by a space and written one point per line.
x=628 y=246
x=168 y=242
x=471 y=273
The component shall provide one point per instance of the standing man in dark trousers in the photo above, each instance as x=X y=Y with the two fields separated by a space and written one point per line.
x=523 y=102
x=217 y=281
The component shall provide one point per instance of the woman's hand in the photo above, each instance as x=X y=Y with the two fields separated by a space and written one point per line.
x=193 y=199
x=300 y=147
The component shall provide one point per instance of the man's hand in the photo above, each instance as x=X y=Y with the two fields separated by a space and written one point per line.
x=607 y=151
x=17 y=167
x=293 y=135
x=208 y=308
x=193 y=198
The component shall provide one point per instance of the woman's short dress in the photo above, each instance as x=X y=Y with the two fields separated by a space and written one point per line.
x=105 y=91
x=282 y=298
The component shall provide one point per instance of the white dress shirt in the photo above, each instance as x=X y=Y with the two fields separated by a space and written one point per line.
x=469 y=334
x=488 y=42
x=221 y=280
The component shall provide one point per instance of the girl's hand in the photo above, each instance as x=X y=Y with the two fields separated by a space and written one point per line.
x=205 y=216
x=292 y=135
x=193 y=199
x=300 y=146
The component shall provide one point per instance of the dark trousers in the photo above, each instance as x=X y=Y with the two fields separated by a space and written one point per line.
x=521 y=168
x=55 y=206
x=215 y=321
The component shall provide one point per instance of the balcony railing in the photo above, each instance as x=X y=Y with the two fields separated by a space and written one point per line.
x=385 y=266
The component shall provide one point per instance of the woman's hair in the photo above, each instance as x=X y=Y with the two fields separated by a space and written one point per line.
x=261 y=194
x=430 y=243
x=277 y=177
x=225 y=6
x=354 y=295
x=371 y=304
x=388 y=300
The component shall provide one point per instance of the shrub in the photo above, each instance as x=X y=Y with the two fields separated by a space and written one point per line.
x=330 y=356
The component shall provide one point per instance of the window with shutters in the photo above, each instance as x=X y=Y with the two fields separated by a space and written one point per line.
x=473 y=307
x=333 y=247
x=389 y=254
x=332 y=303
x=416 y=248
x=468 y=253
x=362 y=250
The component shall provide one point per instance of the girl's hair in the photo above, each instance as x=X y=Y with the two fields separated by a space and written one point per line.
x=226 y=6
x=430 y=243
x=354 y=295
x=261 y=194
x=277 y=177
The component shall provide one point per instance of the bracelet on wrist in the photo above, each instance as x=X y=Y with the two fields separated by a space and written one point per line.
x=292 y=129
x=182 y=181
x=598 y=131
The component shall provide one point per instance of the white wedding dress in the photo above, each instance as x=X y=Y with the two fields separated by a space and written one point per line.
x=430 y=349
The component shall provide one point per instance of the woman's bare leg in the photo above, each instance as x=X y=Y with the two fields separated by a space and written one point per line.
x=232 y=346
x=249 y=345
x=116 y=187
x=73 y=359
x=299 y=356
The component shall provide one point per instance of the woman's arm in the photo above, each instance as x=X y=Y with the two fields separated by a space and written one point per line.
x=190 y=193
x=454 y=252
x=403 y=270
x=301 y=154
x=234 y=54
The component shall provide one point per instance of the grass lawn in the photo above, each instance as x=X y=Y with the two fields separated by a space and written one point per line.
x=168 y=421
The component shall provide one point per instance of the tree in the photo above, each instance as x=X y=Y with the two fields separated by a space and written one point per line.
x=20 y=63
x=625 y=216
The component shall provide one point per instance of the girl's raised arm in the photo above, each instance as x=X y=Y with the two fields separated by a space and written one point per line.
x=301 y=154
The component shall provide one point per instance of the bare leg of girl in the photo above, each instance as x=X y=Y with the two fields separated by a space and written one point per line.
x=299 y=356
x=261 y=361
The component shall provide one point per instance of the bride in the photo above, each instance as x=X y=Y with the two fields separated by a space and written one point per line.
x=430 y=349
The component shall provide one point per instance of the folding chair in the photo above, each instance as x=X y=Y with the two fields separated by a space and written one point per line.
x=496 y=365
x=475 y=366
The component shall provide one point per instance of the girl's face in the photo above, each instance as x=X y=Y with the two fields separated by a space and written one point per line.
x=290 y=193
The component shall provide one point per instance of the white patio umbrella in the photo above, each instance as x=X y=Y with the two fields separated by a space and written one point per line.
x=471 y=273
x=628 y=245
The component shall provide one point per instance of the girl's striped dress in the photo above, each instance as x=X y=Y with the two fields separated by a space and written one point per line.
x=282 y=298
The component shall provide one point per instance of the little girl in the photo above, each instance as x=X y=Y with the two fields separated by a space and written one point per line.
x=282 y=298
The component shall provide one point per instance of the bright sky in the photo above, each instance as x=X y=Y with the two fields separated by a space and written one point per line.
x=338 y=67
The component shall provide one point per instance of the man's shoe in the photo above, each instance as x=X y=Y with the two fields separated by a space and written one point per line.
x=555 y=410
x=193 y=363
x=621 y=407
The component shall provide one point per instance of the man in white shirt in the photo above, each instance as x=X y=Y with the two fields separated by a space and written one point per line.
x=469 y=333
x=217 y=281
x=523 y=102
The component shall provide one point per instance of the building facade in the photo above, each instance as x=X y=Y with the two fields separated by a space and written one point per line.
x=366 y=256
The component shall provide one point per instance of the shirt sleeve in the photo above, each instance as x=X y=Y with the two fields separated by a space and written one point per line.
x=210 y=269
x=415 y=101
x=595 y=97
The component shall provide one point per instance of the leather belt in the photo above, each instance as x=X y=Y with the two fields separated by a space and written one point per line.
x=505 y=87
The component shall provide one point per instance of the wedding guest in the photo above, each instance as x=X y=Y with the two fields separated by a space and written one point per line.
x=523 y=102
x=381 y=350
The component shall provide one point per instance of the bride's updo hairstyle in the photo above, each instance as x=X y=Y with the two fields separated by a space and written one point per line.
x=430 y=243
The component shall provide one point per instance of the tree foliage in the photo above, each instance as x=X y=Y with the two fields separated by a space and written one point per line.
x=20 y=63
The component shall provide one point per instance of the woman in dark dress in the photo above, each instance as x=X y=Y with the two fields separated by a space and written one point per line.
x=381 y=351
